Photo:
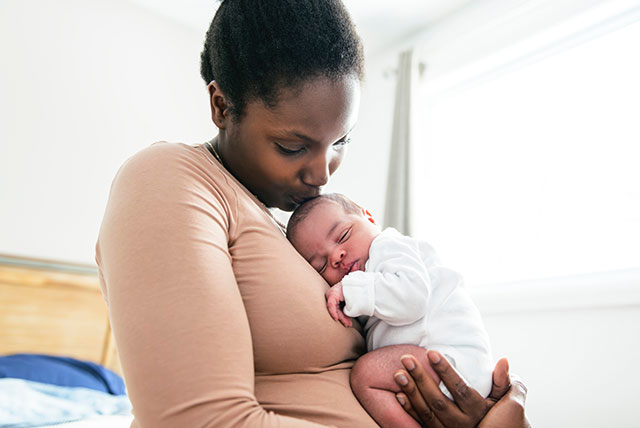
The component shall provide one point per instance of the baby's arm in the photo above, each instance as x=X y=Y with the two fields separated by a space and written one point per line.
x=395 y=288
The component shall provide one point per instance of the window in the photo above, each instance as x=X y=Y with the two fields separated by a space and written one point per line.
x=533 y=170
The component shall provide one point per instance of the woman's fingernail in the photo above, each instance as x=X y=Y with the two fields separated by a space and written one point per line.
x=400 y=400
x=434 y=357
x=408 y=363
x=402 y=379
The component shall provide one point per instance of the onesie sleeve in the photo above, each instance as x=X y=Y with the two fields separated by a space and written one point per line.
x=395 y=287
x=177 y=315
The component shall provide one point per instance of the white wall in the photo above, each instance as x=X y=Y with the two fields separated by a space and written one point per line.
x=84 y=85
x=580 y=365
x=574 y=341
x=363 y=174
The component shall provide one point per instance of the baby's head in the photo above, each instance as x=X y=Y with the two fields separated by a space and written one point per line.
x=333 y=234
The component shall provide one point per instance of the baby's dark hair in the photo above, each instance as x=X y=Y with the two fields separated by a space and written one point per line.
x=304 y=209
x=255 y=48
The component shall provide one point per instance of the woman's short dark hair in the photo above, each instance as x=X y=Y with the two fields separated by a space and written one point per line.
x=255 y=48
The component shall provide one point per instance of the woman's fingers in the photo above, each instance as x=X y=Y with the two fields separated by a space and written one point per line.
x=406 y=405
x=501 y=382
x=424 y=395
x=468 y=399
x=508 y=410
x=518 y=390
x=421 y=411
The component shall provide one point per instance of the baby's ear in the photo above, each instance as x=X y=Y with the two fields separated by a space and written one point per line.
x=368 y=215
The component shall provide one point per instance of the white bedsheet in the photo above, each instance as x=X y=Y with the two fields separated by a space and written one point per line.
x=27 y=404
x=114 y=421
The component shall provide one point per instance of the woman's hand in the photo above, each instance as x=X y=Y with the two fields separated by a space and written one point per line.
x=335 y=300
x=422 y=398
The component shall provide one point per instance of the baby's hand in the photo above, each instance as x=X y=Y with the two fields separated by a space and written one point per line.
x=334 y=299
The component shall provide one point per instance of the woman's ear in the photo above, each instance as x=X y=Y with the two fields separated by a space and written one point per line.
x=219 y=105
x=368 y=215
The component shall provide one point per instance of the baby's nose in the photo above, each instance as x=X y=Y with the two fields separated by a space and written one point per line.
x=338 y=257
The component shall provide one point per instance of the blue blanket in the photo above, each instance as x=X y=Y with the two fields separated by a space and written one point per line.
x=61 y=371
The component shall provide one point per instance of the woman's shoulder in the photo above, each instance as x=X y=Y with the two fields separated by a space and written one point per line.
x=161 y=156
x=173 y=166
x=173 y=177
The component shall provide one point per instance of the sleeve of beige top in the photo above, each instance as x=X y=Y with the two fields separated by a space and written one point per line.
x=178 y=318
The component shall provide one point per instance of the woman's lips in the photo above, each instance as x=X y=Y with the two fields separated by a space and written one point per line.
x=301 y=198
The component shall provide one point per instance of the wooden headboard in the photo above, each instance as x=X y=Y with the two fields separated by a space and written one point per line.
x=54 y=308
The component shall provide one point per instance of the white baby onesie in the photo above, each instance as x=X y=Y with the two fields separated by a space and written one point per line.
x=404 y=296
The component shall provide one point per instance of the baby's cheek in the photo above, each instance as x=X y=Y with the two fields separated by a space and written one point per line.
x=333 y=278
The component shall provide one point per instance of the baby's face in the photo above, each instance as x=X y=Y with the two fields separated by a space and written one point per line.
x=335 y=242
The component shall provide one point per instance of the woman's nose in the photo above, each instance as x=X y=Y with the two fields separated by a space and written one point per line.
x=317 y=172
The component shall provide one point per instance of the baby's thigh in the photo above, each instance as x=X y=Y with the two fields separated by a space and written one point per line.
x=375 y=369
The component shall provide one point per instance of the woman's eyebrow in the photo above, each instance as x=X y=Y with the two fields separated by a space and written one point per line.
x=299 y=135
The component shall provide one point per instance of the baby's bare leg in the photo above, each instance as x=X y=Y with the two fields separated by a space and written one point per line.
x=373 y=384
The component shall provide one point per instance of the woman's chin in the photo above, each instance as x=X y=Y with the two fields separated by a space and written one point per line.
x=287 y=206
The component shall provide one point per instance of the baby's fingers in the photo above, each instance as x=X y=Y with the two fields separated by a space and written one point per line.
x=333 y=305
x=344 y=319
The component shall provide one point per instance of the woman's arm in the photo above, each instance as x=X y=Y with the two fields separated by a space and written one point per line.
x=423 y=399
x=179 y=321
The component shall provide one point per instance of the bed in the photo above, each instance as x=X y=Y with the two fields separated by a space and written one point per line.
x=56 y=310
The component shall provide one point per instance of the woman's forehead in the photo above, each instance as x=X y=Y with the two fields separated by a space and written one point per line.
x=320 y=111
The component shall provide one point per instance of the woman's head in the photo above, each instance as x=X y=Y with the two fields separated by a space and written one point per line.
x=256 y=48
x=284 y=79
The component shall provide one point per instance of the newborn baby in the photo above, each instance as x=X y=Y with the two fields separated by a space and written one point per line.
x=399 y=291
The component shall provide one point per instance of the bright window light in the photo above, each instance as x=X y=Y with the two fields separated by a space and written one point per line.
x=536 y=172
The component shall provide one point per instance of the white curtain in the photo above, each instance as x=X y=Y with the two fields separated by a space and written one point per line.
x=397 y=211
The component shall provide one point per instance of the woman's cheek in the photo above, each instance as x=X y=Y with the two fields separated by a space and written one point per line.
x=336 y=161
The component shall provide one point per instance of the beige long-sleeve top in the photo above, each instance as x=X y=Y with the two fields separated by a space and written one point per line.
x=217 y=319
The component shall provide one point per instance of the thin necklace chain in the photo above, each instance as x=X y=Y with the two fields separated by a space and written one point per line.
x=214 y=150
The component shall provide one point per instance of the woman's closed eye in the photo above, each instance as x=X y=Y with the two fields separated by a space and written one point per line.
x=290 y=150
x=340 y=144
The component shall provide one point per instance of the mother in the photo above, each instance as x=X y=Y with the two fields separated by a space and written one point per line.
x=217 y=320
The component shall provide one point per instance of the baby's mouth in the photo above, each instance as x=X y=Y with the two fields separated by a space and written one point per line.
x=352 y=267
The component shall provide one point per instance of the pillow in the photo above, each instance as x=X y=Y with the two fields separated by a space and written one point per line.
x=61 y=371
